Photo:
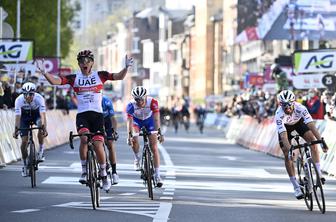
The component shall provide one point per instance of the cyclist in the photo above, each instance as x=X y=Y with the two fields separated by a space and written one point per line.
x=291 y=116
x=144 y=111
x=200 y=113
x=88 y=86
x=30 y=108
x=110 y=124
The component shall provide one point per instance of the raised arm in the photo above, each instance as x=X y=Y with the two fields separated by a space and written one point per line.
x=121 y=75
x=52 y=79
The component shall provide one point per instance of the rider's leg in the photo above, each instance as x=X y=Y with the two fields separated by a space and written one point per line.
x=112 y=155
x=24 y=152
x=156 y=154
x=309 y=136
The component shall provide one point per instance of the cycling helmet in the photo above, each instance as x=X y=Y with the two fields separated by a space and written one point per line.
x=139 y=92
x=85 y=53
x=286 y=96
x=28 y=87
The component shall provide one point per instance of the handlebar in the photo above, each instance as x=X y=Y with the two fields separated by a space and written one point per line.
x=299 y=146
x=30 y=128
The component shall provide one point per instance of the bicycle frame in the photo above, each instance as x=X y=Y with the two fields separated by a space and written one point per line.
x=93 y=180
x=32 y=160
x=147 y=162
x=311 y=184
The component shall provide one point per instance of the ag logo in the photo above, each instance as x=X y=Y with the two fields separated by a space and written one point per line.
x=325 y=62
x=14 y=51
x=329 y=80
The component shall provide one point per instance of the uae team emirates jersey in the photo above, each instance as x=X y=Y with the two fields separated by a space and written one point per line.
x=88 y=89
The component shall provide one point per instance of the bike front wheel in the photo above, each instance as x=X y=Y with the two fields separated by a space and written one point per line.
x=92 y=179
x=149 y=175
x=317 y=187
x=32 y=163
x=308 y=197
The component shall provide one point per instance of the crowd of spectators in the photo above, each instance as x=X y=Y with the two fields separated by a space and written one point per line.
x=9 y=91
x=261 y=105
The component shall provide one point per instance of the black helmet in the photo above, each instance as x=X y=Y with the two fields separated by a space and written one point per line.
x=85 y=53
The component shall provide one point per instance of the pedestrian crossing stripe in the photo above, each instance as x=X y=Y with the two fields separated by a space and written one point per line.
x=148 y=209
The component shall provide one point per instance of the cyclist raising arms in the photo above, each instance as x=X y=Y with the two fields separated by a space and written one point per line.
x=144 y=111
x=291 y=116
x=30 y=108
x=110 y=124
x=88 y=85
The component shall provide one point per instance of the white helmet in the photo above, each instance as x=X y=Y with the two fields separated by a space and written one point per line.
x=28 y=87
x=286 y=96
x=139 y=92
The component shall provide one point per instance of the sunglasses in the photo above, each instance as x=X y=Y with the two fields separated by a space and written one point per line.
x=84 y=60
x=139 y=99
x=286 y=105
x=29 y=94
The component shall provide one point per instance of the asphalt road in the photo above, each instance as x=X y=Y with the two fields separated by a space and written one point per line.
x=206 y=178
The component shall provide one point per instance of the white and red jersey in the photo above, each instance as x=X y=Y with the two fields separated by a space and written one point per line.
x=88 y=89
x=22 y=106
x=142 y=113
x=282 y=119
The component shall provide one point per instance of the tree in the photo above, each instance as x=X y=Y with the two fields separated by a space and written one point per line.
x=39 y=23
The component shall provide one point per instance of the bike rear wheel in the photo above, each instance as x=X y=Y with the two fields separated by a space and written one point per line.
x=317 y=187
x=149 y=174
x=91 y=179
x=32 y=163
x=308 y=197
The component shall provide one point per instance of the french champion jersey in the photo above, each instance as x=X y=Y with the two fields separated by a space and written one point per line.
x=107 y=105
x=282 y=119
x=142 y=113
x=88 y=89
x=24 y=108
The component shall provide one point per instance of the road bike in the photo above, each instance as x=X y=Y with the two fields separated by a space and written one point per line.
x=32 y=156
x=147 y=162
x=93 y=179
x=309 y=177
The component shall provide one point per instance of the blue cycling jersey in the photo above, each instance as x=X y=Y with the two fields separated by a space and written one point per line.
x=107 y=105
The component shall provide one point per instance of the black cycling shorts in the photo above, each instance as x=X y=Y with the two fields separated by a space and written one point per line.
x=300 y=127
x=108 y=127
x=90 y=120
x=26 y=119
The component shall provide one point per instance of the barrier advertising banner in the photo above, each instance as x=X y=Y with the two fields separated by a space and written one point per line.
x=20 y=51
x=315 y=61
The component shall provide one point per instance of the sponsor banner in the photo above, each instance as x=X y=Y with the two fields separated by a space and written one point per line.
x=308 y=81
x=51 y=65
x=314 y=61
x=16 y=51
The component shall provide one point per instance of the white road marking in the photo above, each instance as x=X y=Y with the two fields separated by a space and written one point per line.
x=231 y=158
x=25 y=211
x=163 y=212
x=148 y=209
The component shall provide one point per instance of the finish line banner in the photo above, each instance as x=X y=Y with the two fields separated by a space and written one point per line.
x=315 y=61
x=16 y=51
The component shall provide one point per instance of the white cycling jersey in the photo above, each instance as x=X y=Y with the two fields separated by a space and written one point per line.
x=38 y=104
x=282 y=119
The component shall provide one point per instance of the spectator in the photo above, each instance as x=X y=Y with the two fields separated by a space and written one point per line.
x=280 y=77
x=314 y=104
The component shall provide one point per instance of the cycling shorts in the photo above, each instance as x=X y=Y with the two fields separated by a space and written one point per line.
x=108 y=127
x=300 y=127
x=147 y=123
x=93 y=121
x=25 y=121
